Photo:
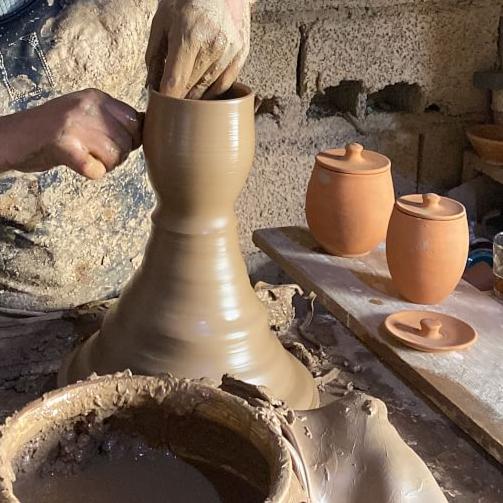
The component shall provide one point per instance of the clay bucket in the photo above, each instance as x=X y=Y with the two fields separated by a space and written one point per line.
x=427 y=247
x=190 y=310
x=158 y=408
x=349 y=200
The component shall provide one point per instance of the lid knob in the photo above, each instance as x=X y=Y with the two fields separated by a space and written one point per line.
x=431 y=328
x=354 y=152
x=431 y=200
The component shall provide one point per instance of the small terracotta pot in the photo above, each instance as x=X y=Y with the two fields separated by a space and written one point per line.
x=427 y=247
x=349 y=200
x=487 y=140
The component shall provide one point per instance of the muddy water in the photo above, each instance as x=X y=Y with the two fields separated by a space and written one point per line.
x=154 y=478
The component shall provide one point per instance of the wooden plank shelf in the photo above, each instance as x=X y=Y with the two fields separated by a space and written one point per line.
x=467 y=386
x=473 y=164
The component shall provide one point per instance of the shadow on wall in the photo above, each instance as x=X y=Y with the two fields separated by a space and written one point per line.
x=351 y=97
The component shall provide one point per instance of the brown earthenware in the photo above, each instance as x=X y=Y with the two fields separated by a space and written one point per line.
x=430 y=332
x=427 y=247
x=487 y=140
x=190 y=309
x=349 y=200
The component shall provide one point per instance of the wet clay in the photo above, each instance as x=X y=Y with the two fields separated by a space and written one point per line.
x=346 y=451
x=190 y=309
x=353 y=454
x=211 y=442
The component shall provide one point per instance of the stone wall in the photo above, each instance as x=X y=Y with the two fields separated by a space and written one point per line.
x=395 y=75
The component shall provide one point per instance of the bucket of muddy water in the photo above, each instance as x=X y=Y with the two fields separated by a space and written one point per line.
x=144 y=439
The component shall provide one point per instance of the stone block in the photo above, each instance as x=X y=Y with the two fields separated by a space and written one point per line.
x=438 y=48
x=271 y=69
x=299 y=6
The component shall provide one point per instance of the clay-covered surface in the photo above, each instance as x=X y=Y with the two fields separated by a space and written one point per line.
x=122 y=420
x=190 y=310
x=32 y=354
x=301 y=51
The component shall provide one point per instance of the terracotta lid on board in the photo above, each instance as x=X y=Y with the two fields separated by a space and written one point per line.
x=354 y=159
x=431 y=207
x=429 y=331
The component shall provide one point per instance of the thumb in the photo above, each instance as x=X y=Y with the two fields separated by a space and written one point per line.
x=92 y=168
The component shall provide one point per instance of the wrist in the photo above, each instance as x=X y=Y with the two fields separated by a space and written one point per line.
x=19 y=144
x=9 y=151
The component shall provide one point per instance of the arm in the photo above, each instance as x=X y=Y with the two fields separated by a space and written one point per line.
x=88 y=131
x=197 y=47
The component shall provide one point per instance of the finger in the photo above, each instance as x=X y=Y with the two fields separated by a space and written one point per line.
x=71 y=152
x=155 y=54
x=206 y=81
x=179 y=66
x=211 y=76
x=106 y=126
x=125 y=115
x=225 y=81
x=155 y=72
x=105 y=149
x=156 y=36
x=92 y=168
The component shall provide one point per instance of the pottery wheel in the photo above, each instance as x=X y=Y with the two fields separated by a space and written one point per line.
x=429 y=331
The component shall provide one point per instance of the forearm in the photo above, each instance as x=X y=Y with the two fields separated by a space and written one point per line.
x=9 y=145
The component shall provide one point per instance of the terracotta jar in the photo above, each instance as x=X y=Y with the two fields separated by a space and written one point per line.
x=198 y=422
x=190 y=309
x=427 y=247
x=349 y=200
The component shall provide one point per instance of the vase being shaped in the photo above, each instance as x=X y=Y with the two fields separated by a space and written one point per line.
x=190 y=309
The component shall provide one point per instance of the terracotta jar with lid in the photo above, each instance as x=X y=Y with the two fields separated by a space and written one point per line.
x=427 y=246
x=349 y=200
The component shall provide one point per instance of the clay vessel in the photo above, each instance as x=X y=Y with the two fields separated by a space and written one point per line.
x=429 y=331
x=349 y=200
x=427 y=247
x=159 y=411
x=190 y=309
x=487 y=140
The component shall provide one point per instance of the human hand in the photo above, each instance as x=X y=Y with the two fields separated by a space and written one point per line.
x=197 y=47
x=88 y=131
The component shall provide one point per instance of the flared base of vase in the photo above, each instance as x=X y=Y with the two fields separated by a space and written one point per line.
x=297 y=388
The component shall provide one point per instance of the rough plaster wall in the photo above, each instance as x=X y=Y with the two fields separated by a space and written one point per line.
x=437 y=50
x=300 y=48
x=66 y=240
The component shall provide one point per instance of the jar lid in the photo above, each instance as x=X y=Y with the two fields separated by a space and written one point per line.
x=430 y=331
x=431 y=207
x=353 y=159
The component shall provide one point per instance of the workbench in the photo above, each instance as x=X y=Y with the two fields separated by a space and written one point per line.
x=32 y=348
x=467 y=386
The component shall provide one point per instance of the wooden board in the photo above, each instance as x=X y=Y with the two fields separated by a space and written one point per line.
x=467 y=386
x=473 y=162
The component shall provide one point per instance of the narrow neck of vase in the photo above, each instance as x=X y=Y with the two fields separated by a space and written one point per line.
x=199 y=154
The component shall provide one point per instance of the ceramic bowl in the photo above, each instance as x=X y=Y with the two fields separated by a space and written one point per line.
x=487 y=140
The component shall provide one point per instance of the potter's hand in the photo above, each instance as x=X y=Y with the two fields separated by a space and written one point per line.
x=88 y=131
x=197 y=47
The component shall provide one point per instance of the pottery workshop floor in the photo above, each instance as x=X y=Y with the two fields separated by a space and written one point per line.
x=32 y=349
